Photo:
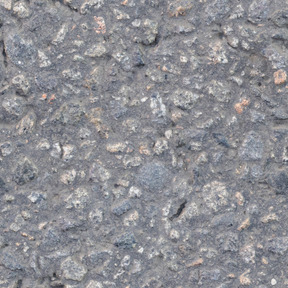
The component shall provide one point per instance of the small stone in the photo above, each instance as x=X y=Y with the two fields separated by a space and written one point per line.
x=280 y=18
x=273 y=282
x=134 y=192
x=116 y=147
x=280 y=113
x=21 y=84
x=160 y=146
x=252 y=147
x=219 y=91
x=8 y=198
x=100 y=26
x=3 y=187
x=26 y=215
x=56 y=151
x=43 y=144
x=68 y=152
x=84 y=133
x=215 y=195
x=96 y=50
x=269 y=218
x=124 y=60
x=216 y=10
x=174 y=234
x=25 y=171
x=68 y=113
x=131 y=218
x=233 y=41
x=68 y=177
x=88 y=4
x=21 y=10
x=98 y=173
x=7 y=4
x=73 y=270
x=78 y=199
x=14 y=108
x=279 y=181
x=191 y=210
x=147 y=32
x=121 y=208
x=61 y=35
x=240 y=198
x=36 y=197
x=176 y=8
x=280 y=77
x=184 y=99
x=258 y=116
x=12 y=260
x=120 y=15
x=94 y=284
x=43 y=59
x=72 y=74
x=248 y=254
x=277 y=245
x=27 y=123
x=245 y=224
x=210 y=275
x=46 y=81
x=258 y=11
x=6 y=148
x=195 y=263
x=217 y=53
x=153 y=176
x=96 y=216
x=239 y=107
x=244 y=280
x=21 y=52
x=228 y=242
x=126 y=241
x=131 y=161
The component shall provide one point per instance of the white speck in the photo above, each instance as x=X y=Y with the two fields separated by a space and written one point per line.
x=140 y=250
x=273 y=282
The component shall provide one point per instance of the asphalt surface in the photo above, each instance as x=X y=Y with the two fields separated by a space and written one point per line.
x=143 y=143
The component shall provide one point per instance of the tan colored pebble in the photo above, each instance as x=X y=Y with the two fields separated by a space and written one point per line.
x=245 y=224
x=280 y=77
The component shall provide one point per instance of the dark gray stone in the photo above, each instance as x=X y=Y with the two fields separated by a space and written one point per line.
x=216 y=11
x=228 y=242
x=153 y=176
x=122 y=208
x=21 y=52
x=252 y=147
x=72 y=270
x=258 y=11
x=280 y=18
x=25 y=171
x=210 y=275
x=12 y=260
x=126 y=241
x=14 y=108
x=279 y=181
x=46 y=81
x=278 y=245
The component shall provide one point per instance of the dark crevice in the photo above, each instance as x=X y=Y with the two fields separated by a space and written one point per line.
x=179 y=211
x=62 y=152
x=4 y=56
x=19 y=284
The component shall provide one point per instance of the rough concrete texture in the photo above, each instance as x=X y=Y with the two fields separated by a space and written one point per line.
x=143 y=143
